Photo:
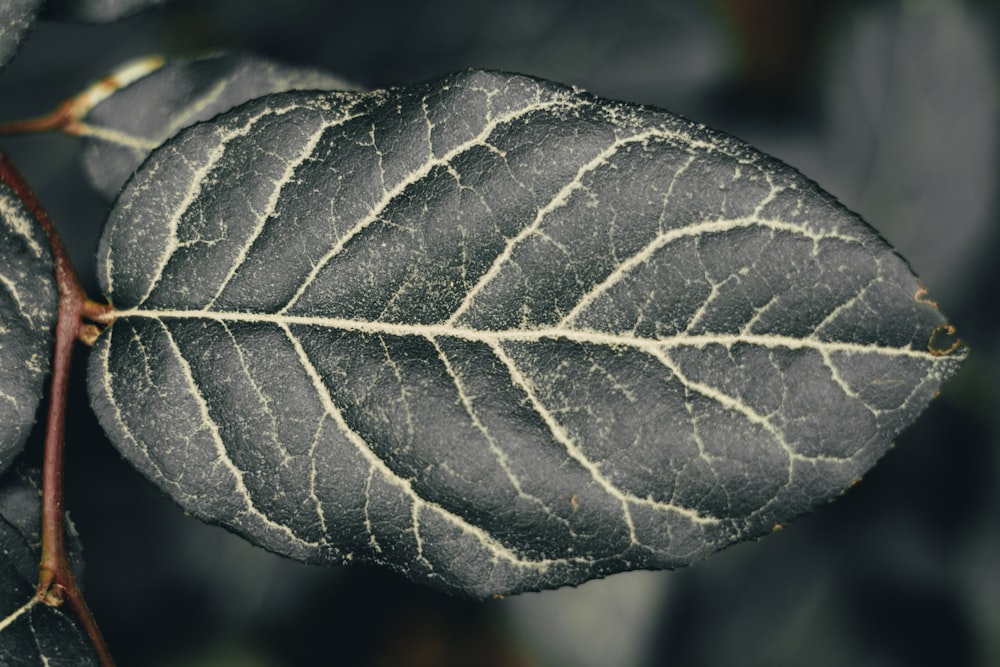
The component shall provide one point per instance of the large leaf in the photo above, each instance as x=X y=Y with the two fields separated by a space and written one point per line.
x=32 y=633
x=28 y=302
x=497 y=333
x=126 y=126
x=16 y=19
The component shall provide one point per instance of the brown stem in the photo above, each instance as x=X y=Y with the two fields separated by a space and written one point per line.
x=56 y=582
x=55 y=120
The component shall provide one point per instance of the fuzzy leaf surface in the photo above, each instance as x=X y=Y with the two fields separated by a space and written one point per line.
x=32 y=634
x=28 y=303
x=124 y=128
x=16 y=19
x=497 y=333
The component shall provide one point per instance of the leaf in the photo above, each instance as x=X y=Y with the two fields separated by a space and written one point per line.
x=498 y=334
x=17 y=17
x=125 y=127
x=97 y=11
x=28 y=302
x=32 y=633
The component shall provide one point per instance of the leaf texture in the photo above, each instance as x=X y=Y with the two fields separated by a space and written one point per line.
x=28 y=302
x=17 y=17
x=498 y=334
x=124 y=128
x=32 y=633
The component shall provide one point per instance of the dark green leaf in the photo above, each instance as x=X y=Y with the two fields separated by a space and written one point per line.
x=498 y=334
x=32 y=633
x=97 y=11
x=16 y=19
x=28 y=301
x=130 y=123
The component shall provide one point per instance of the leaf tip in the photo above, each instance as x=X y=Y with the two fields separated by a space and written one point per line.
x=943 y=341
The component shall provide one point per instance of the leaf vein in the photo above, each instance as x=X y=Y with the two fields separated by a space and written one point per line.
x=375 y=213
x=291 y=168
x=498 y=453
x=560 y=199
x=489 y=542
x=198 y=179
x=563 y=438
x=614 y=339
x=698 y=229
x=220 y=447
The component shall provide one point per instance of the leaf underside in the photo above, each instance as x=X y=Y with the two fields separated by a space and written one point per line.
x=28 y=302
x=497 y=333
x=131 y=122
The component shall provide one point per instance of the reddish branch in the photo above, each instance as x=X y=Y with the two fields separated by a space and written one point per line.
x=67 y=117
x=56 y=583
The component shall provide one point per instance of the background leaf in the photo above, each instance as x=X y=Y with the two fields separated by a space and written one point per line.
x=16 y=19
x=38 y=635
x=28 y=301
x=498 y=334
x=897 y=78
x=97 y=11
x=130 y=123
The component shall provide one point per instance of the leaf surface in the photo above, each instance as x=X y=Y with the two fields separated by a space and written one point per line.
x=497 y=333
x=28 y=302
x=32 y=633
x=16 y=19
x=125 y=127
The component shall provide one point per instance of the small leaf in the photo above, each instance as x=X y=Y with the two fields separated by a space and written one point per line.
x=125 y=127
x=498 y=334
x=17 y=17
x=32 y=633
x=28 y=302
x=97 y=11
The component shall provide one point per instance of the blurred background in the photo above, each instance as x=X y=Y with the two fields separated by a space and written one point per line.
x=891 y=105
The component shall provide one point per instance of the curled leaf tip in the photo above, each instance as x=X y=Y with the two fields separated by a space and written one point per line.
x=943 y=341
